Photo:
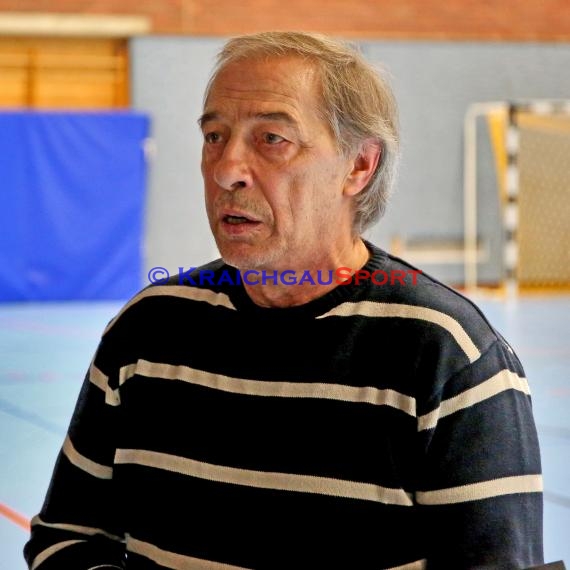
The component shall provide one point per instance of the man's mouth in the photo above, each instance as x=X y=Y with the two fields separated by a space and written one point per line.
x=235 y=220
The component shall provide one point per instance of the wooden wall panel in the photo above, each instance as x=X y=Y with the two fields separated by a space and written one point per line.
x=541 y=20
x=63 y=73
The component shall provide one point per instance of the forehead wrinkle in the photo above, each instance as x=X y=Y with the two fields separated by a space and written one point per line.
x=296 y=96
x=274 y=83
x=278 y=116
x=280 y=80
x=258 y=110
x=263 y=97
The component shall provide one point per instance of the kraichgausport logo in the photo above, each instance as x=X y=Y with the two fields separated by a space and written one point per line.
x=339 y=276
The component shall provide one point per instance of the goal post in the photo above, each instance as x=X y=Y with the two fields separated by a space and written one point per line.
x=530 y=142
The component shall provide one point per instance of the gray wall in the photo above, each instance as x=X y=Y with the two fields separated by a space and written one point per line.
x=168 y=79
x=434 y=83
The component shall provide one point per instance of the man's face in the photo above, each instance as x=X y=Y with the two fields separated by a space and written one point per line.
x=273 y=175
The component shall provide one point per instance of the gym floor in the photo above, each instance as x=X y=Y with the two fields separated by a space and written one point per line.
x=45 y=350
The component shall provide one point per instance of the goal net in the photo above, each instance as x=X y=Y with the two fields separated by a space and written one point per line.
x=530 y=143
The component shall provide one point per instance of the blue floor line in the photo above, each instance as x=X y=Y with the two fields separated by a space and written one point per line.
x=553 y=431
x=557 y=499
x=31 y=418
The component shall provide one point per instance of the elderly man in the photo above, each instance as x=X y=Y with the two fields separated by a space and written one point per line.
x=312 y=402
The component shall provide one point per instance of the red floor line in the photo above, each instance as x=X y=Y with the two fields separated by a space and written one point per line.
x=15 y=517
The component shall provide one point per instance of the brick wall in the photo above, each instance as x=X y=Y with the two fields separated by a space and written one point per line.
x=541 y=20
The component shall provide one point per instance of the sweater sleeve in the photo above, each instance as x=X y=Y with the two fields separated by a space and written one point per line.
x=79 y=525
x=479 y=484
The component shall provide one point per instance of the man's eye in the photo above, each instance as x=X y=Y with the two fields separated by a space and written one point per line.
x=272 y=138
x=212 y=137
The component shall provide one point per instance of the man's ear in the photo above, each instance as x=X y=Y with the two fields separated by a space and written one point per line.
x=363 y=167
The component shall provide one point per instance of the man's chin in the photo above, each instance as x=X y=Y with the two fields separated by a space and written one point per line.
x=244 y=263
x=247 y=260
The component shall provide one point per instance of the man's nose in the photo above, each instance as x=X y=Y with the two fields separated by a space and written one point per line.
x=232 y=170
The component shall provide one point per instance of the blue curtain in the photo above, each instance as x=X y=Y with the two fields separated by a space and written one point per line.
x=72 y=195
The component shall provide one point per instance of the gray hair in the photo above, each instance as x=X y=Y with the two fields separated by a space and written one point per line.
x=358 y=103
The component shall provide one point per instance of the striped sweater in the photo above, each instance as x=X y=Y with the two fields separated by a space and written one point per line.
x=374 y=427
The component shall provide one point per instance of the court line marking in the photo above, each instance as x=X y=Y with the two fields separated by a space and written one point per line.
x=557 y=499
x=32 y=418
x=13 y=516
x=553 y=431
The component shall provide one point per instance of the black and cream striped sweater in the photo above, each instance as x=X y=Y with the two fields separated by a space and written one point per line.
x=375 y=427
